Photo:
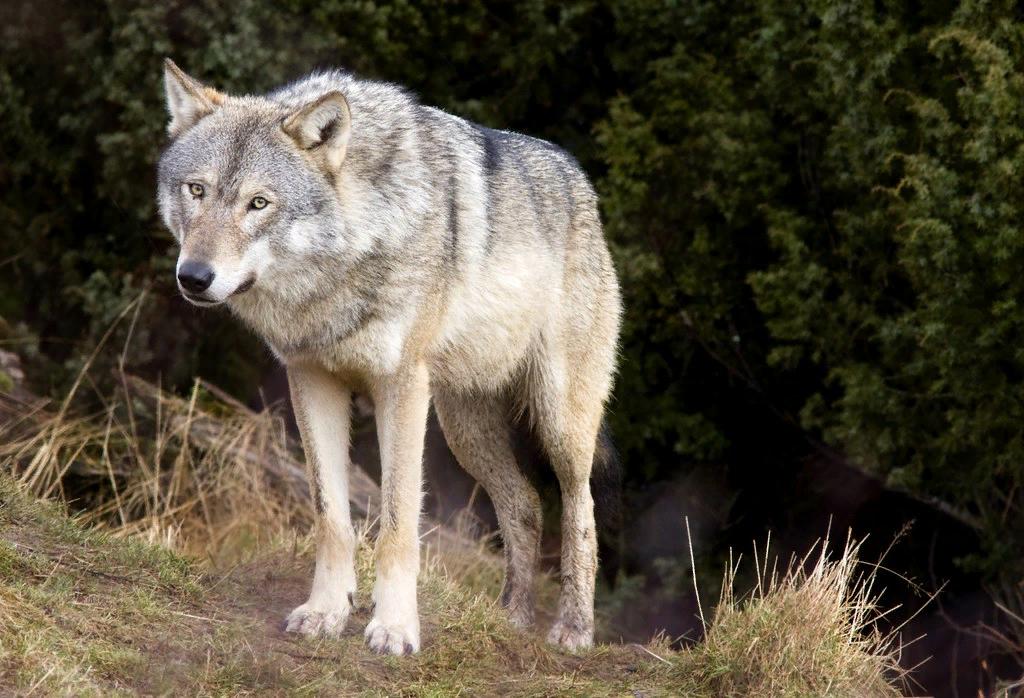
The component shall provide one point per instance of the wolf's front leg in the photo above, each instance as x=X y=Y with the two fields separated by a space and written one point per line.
x=401 y=404
x=322 y=409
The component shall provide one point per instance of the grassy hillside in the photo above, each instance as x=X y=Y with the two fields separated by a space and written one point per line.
x=85 y=613
x=193 y=548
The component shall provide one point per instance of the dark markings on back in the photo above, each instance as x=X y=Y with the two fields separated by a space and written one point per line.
x=453 y=220
x=491 y=145
x=567 y=190
x=505 y=162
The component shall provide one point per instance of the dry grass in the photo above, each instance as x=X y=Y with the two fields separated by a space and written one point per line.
x=84 y=613
x=203 y=475
x=1008 y=635
x=813 y=631
x=87 y=612
x=192 y=474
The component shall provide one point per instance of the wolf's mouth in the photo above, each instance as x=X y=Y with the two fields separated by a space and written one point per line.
x=201 y=300
x=246 y=285
x=198 y=300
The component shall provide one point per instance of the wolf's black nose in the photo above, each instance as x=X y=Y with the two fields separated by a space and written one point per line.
x=195 y=277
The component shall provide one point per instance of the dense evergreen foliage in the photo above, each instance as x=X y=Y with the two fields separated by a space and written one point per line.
x=813 y=206
x=822 y=199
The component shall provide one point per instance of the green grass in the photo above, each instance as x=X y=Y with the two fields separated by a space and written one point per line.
x=84 y=613
x=189 y=550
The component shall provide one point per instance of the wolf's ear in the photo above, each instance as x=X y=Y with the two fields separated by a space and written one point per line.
x=188 y=100
x=322 y=125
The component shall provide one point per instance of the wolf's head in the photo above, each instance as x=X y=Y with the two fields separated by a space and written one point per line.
x=246 y=185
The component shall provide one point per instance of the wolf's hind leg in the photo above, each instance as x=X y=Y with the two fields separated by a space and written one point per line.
x=568 y=413
x=478 y=431
x=322 y=407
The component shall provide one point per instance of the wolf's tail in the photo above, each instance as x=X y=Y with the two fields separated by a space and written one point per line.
x=606 y=489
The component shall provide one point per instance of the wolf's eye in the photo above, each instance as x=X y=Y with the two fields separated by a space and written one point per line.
x=258 y=202
x=196 y=190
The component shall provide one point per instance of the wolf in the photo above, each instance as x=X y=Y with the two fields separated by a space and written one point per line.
x=383 y=246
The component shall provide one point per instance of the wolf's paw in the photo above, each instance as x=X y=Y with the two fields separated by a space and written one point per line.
x=392 y=639
x=318 y=622
x=571 y=636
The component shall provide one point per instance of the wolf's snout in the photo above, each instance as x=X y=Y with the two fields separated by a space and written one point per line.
x=195 y=277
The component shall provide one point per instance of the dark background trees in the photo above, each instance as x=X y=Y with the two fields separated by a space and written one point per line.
x=814 y=208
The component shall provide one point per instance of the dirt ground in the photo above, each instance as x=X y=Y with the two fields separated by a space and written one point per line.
x=82 y=613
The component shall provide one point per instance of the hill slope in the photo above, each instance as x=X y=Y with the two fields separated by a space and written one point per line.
x=84 y=613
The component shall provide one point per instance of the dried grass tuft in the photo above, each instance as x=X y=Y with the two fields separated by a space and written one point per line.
x=813 y=630
x=204 y=475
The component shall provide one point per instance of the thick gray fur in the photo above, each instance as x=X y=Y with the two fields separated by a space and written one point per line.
x=380 y=245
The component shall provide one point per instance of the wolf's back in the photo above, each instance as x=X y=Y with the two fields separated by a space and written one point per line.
x=524 y=185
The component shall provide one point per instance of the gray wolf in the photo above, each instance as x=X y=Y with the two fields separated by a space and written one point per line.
x=382 y=246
